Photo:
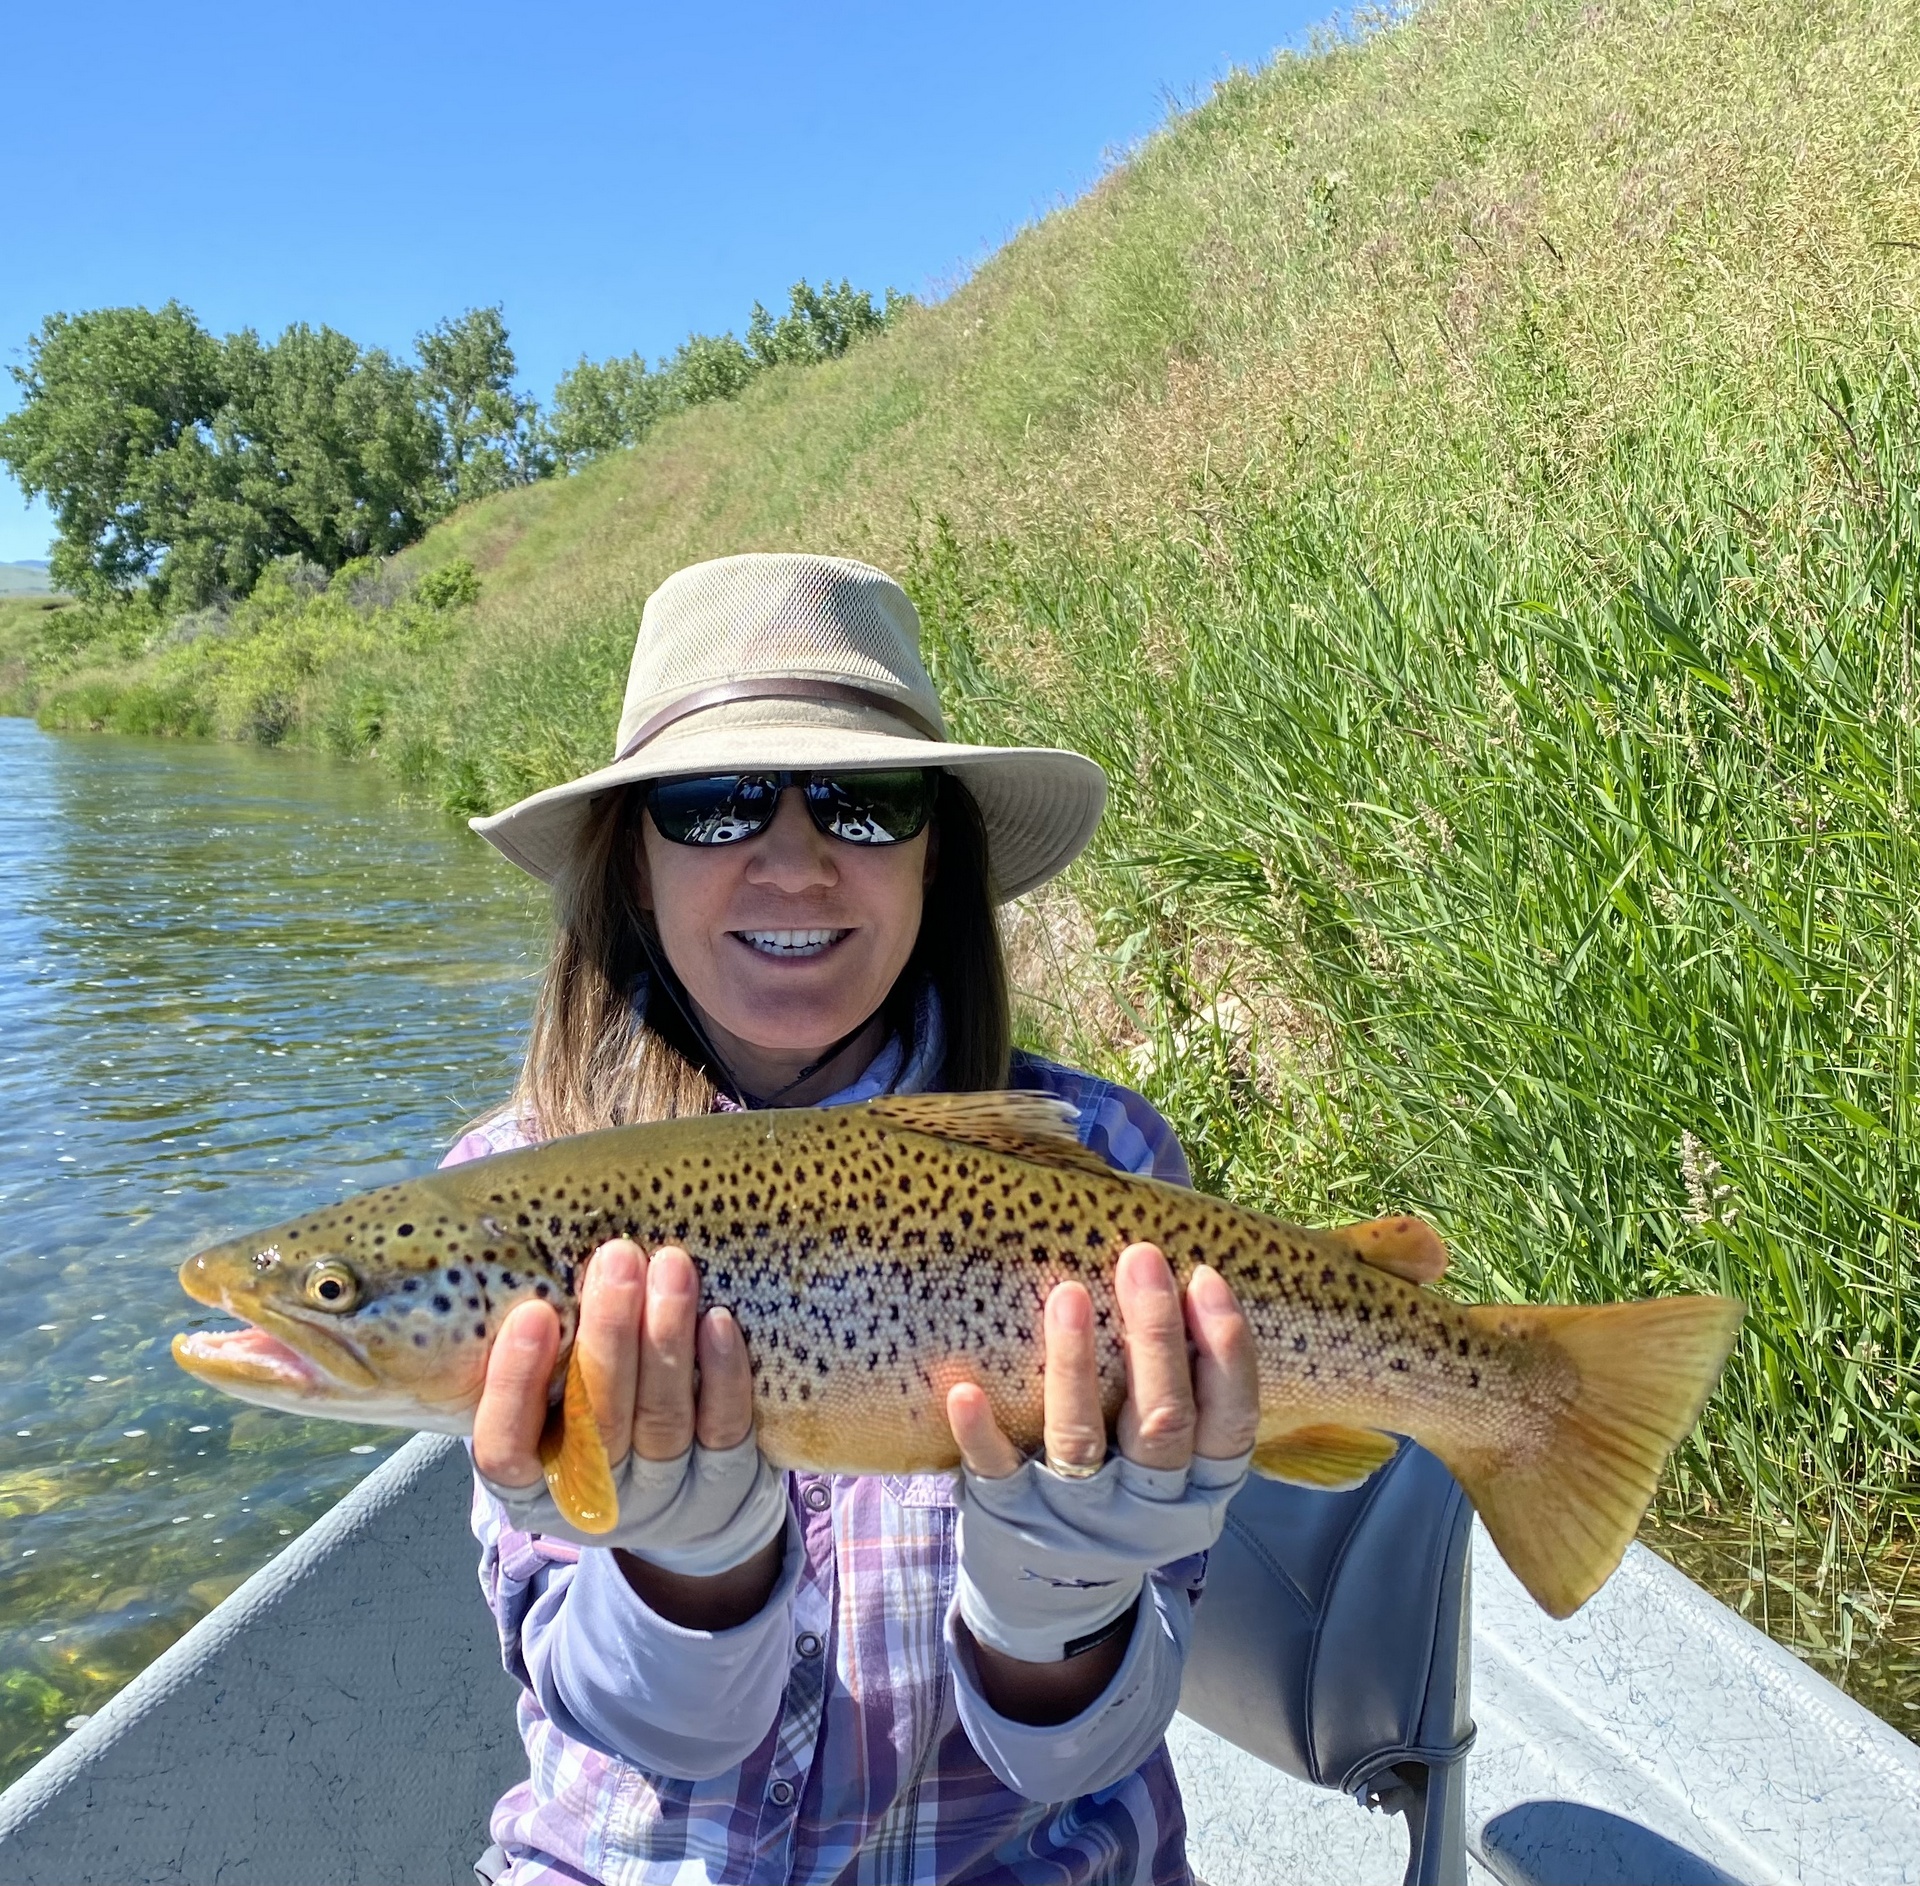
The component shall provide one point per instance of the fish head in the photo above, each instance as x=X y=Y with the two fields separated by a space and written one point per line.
x=380 y=1310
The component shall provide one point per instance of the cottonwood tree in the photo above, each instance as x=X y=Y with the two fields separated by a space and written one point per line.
x=113 y=426
x=490 y=437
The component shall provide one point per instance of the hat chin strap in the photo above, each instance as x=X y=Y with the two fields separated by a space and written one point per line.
x=663 y=971
x=776 y=688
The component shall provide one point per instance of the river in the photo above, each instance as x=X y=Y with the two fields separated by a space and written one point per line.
x=233 y=983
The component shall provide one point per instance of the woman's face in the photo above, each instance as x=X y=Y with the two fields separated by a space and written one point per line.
x=789 y=940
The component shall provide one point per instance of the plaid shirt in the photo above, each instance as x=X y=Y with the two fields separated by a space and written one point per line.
x=839 y=1735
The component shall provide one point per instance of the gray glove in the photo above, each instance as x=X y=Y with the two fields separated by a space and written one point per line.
x=702 y=1513
x=1047 y=1561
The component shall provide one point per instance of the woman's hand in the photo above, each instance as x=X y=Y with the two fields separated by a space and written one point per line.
x=1047 y=1551
x=1175 y=1409
x=640 y=1341
x=670 y=1390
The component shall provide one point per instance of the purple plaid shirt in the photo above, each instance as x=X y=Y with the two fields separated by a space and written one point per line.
x=839 y=1735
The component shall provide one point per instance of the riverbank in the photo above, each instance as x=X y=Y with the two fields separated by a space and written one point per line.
x=1461 y=485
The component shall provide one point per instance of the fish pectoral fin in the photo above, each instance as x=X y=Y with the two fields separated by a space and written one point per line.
x=1028 y=1126
x=1405 y=1247
x=579 y=1475
x=1328 y=1456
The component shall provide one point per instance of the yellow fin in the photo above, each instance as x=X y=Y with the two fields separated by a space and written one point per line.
x=1641 y=1372
x=1028 y=1126
x=1407 y=1247
x=579 y=1475
x=1329 y=1456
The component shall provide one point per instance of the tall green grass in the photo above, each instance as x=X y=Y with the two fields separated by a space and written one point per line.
x=1586 y=872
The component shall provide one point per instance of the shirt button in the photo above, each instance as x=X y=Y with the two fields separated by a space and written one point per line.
x=781 y=1794
x=817 y=1497
x=807 y=1644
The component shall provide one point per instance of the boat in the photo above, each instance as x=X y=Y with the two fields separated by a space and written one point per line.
x=344 y=1717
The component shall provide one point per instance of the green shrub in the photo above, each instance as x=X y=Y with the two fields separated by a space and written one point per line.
x=454 y=585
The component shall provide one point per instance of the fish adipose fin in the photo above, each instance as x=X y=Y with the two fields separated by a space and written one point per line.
x=1406 y=1247
x=1328 y=1456
x=579 y=1475
x=1643 y=1371
x=1028 y=1126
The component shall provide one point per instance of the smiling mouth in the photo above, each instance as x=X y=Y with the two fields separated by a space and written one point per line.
x=790 y=945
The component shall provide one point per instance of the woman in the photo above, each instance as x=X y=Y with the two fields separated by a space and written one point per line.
x=781 y=893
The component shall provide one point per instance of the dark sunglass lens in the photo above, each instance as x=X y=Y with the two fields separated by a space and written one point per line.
x=872 y=808
x=714 y=809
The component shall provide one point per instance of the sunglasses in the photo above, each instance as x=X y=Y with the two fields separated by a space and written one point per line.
x=857 y=808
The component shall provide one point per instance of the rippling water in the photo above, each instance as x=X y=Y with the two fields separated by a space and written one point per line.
x=233 y=983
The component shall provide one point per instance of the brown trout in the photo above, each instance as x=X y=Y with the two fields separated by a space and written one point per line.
x=875 y=1255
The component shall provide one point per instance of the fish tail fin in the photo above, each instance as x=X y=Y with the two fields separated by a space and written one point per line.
x=1643 y=1371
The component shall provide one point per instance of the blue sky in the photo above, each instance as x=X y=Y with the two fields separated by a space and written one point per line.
x=616 y=176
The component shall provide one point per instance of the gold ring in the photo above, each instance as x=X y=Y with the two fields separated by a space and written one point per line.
x=1067 y=1471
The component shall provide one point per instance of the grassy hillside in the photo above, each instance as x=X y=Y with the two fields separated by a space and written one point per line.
x=1463 y=486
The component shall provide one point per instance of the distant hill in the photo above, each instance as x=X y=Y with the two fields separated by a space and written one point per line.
x=25 y=578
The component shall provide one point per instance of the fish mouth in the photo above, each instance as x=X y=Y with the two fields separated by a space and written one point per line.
x=277 y=1351
x=249 y=1358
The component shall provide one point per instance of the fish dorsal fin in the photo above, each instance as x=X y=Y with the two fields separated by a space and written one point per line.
x=1406 y=1247
x=1026 y=1125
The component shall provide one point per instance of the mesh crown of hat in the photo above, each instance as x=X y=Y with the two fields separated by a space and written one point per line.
x=754 y=616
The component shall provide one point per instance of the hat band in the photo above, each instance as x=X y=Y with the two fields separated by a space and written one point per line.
x=775 y=688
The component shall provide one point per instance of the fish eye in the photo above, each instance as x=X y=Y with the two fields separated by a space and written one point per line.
x=331 y=1285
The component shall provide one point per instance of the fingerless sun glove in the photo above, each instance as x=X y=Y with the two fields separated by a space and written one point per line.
x=700 y=1514
x=1048 y=1562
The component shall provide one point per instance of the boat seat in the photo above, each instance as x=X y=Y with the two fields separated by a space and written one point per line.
x=1332 y=1642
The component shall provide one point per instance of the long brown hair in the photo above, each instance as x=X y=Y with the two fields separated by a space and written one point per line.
x=597 y=1057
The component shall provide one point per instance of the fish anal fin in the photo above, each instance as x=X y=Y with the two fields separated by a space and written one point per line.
x=1627 y=1382
x=1026 y=1125
x=579 y=1476
x=1406 y=1247
x=1329 y=1456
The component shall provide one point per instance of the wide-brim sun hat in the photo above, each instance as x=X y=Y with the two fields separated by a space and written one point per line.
x=767 y=662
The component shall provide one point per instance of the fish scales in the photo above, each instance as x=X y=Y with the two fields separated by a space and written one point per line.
x=874 y=1256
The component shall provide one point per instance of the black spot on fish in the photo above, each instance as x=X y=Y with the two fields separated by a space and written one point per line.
x=443 y=1304
x=406 y=1231
x=453 y=1276
x=479 y=1329
x=420 y=1339
x=413 y=1283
